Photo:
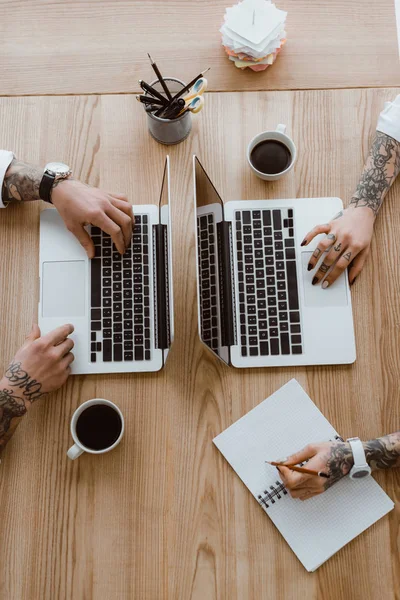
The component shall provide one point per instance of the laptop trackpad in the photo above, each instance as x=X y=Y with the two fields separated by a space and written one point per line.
x=314 y=295
x=63 y=289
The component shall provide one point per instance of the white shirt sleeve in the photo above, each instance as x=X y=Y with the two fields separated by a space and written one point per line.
x=389 y=119
x=5 y=160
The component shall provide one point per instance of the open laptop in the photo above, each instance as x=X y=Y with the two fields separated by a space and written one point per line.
x=121 y=306
x=256 y=304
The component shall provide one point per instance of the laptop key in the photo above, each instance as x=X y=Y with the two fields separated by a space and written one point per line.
x=285 y=343
x=107 y=350
x=139 y=353
x=274 y=344
x=294 y=317
x=95 y=272
x=117 y=352
x=264 y=349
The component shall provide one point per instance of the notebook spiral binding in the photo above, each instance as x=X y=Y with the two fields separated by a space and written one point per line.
x=278 y=490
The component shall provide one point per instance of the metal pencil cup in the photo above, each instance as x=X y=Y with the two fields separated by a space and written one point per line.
x=169 y=131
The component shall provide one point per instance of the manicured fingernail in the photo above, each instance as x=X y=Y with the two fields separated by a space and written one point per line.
x=325 y=285
x=304 y=242
x=315 y=280
x=309 y=267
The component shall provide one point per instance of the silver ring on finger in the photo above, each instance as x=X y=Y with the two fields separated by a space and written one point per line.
x=332 y=237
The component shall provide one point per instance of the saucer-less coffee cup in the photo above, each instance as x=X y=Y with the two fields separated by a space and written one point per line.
x=97 y=426
x=271 y=154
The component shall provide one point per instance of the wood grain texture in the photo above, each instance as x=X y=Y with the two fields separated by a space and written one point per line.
x=100 y=46
x=163 y=517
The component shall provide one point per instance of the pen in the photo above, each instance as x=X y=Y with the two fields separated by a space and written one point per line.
x=150 y=90
x=299 y=469
x=148 y=100
x=160 y=77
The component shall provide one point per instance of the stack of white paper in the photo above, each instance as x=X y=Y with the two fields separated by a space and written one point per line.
x=253 y=33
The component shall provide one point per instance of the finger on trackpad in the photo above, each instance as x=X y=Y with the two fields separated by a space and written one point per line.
x=314 y=295
x=63 y=288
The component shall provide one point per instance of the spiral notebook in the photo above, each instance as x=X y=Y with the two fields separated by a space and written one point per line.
x=316 y=528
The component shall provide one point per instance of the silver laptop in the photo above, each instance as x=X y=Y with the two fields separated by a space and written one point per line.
x=256 y=304
x=121 y=306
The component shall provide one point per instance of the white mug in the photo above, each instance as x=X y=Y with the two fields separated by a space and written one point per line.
x=78 y=448
x=279 y=135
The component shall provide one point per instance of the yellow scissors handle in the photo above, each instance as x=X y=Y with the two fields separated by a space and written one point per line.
x=196 y=104
x=199 y=88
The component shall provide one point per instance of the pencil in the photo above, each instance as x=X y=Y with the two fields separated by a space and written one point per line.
x=299 y=469
x=160 y=77
x=189 y=85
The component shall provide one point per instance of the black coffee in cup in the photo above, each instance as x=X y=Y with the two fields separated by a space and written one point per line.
x=98 y=427
x=270 y=157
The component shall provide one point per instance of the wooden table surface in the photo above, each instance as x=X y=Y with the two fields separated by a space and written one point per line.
x=163 y=517
x=93 y=46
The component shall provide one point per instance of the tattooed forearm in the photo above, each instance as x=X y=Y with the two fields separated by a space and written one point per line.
x=384 y=452
x=339 y=463
x=21 y=182
x=380 y=170
x=18 y=378
x=17 y=392
x=12 y=408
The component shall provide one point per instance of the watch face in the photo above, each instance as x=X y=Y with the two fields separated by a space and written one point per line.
x=58 y=168
x=360 y=474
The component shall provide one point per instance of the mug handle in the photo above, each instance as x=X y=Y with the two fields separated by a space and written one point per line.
x=281 y=128
x=74 y=452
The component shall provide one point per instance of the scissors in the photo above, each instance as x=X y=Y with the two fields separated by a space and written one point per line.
x=199 y=88
x=194 y=105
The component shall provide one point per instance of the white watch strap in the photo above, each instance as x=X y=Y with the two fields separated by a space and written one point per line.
x=358 y=452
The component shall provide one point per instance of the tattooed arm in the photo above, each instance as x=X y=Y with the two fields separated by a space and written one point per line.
x=77 y=203
x=42 y=365
x=351 y=230
x=336 y=459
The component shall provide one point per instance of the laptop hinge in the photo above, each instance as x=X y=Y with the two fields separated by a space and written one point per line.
x=161 y=287
x=225 y=284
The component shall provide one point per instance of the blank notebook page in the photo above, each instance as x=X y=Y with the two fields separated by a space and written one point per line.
x=281 y=425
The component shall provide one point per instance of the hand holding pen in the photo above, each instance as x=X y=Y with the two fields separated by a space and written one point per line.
x=328 y=461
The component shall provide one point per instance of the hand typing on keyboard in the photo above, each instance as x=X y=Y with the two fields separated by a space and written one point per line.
x=80 y=204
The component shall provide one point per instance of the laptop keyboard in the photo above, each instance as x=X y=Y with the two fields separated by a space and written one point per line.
x=267 y=279
x=206 y=235
x=120 y=297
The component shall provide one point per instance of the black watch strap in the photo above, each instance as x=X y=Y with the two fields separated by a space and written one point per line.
x=46 y=185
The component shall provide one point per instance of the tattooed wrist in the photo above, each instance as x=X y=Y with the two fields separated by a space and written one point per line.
x=21 y=182
x=12 y=408
x=18 y=378
x=381 y=169
x=339 y=463
x=384 y=452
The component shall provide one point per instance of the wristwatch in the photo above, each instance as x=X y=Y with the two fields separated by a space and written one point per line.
x=53 y=171
x=360 y=468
